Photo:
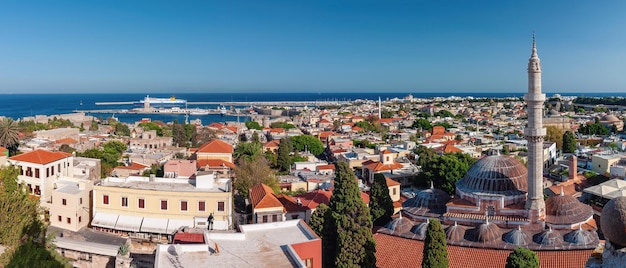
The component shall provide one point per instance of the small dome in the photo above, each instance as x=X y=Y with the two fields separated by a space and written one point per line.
x=433 y=199
x=565 y=209
x=516 y=237
x=554 y=113
x=420 y=229
x=399 y=225
x=581 y=237
x=485 y=232
x=455 y=232
x=548 y=238
x=613 y=221
x=496 y=174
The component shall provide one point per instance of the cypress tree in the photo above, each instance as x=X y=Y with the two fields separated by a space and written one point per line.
x=381 y=206
x=569 y=142
x=284 y=150
x=522 y=257
x=317 y=220
x=351 y=224
x=435 y=248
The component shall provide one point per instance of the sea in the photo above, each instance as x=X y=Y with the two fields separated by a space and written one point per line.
x=17 y=106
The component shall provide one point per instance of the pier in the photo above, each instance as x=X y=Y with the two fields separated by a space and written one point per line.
x=245 y=103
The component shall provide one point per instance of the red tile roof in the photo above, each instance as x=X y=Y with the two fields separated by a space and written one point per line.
x=379 y=166
x=393 y=251
x=214 y=163
x=133 y=166
x=66 y=141
x=391 y=182
x=41 y=157
x=314 y=198
x=189 y=238
x=290 y=204
x=185 y=168
x=262 y=196
x=216 y=146
x=323 y=167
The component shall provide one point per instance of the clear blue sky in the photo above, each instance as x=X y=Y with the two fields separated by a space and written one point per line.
x=309 y=45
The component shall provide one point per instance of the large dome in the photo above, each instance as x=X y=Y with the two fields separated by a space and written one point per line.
x=496 y=174
x=433 y=199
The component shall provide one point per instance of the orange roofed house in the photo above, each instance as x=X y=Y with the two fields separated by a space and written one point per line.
x=215 y=155
x=40 y=168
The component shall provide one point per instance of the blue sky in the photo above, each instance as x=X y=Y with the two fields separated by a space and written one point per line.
x=309 y=46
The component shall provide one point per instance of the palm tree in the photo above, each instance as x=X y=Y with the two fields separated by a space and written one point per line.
x=9 y=134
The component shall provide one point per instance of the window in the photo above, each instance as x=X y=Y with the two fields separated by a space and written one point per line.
x=294 y=216
x=124 y=201
x=80 y=219
x=60 y=218
x=394 y=191
x=163 y=204
x=308 y=262
x=220 y=206
x=105 y=199
x=64 y=202
x=201 y=206
x=47 y=172
x=69 y=220
x=36 y=173
x=183 y=205
x=59 y=167
x=141 y=203
x=264 y=218
x=274 y=218
x=80 y=201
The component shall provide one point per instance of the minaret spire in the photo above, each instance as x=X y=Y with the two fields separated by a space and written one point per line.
x=535 y=134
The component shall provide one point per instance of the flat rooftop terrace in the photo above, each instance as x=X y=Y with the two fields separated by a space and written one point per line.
x=258 y=245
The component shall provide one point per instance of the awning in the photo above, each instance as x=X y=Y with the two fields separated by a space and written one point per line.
x=154 y=225
x=174 y=224
x=129 y=223
x=104 y=220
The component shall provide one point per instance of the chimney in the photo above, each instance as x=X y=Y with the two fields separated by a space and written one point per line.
x=573 y=167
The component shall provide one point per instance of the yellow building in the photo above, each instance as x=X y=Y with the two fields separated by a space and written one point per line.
x=69 y=206
x=602 y=164
x=155 y=208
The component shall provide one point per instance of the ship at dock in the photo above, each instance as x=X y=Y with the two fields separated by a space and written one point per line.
x=161 y=102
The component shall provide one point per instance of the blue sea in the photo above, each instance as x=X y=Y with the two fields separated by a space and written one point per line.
x=21 y=105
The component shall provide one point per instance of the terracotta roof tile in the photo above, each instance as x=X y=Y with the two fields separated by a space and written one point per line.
x=262 y=196
x=41 y=157
x=214 y=163
x=391 y=182
x=216 y=146
x=66 y=141
x=133 y=166
x=393 y=251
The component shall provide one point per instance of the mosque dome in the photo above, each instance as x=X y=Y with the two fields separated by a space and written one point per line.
x=455 y=233
x=484 y=233
x=420 y=229
x=613 y=221
x=548 y=238
x=399 y=225
x=496 y=174
x=554 y=113
x=566 y=210
x=516 y=237
x=432 y=198
x=581 y=237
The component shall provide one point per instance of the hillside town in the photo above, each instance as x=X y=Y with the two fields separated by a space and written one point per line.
x=496 y=173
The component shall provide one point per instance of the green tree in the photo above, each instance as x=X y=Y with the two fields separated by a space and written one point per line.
x=122 y=130
x=444 y=170
x=284 y=158
x=422 y=123
x=284 y=125
x=435 y=252
x=94 y=125
x=253 y=125
x=349 y=241
x=317 y=220
x=522 y=257
x=21 y=228
x=152 y=126
x=247 y=150
x=309 y=143
x=381 y=205
x=555 y=134
x=252 y=172
x=444 y=113
x=255 y=137
x=569 y=142
x=9 y=135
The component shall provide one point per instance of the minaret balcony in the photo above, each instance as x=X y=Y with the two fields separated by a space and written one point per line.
x=531 y=132
x=534 y=97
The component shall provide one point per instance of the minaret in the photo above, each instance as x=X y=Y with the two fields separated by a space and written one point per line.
x=380 y=113
x=535 y=134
